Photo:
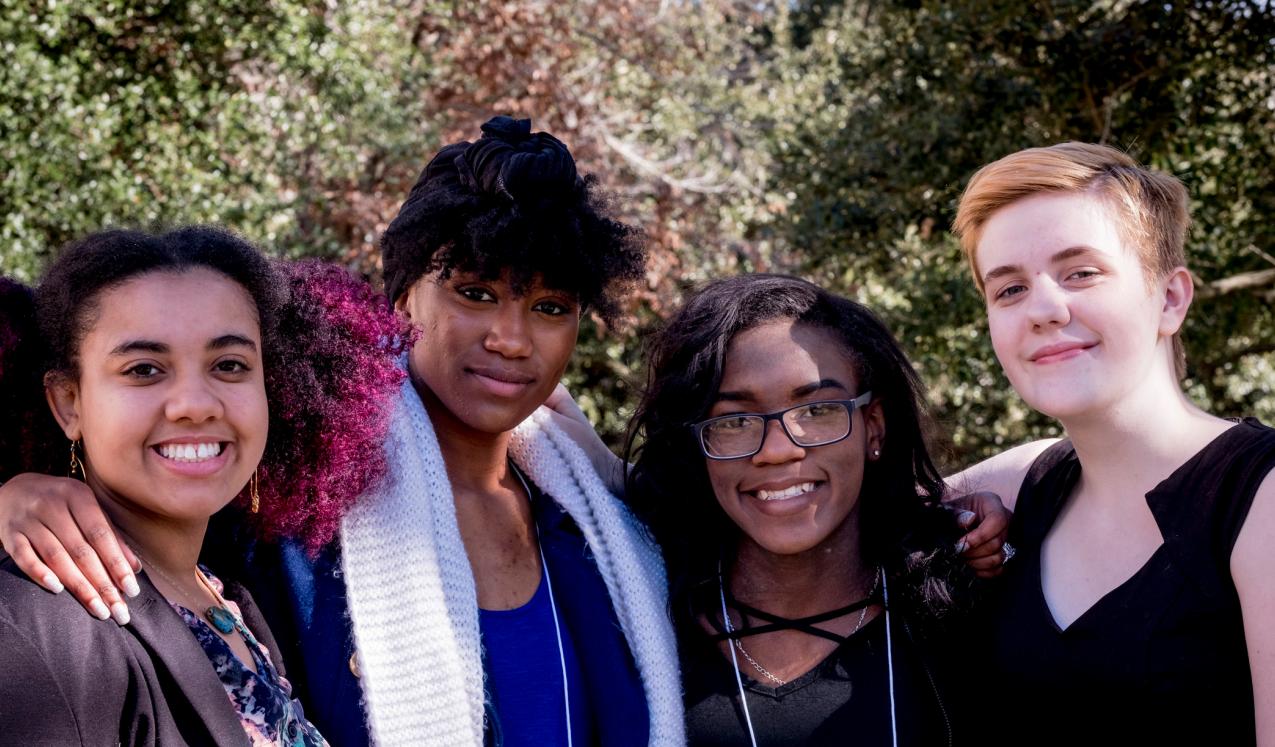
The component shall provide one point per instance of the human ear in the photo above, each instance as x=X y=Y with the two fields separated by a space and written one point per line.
x=63 y=396
x=1179 y=290
x=874 y=424
x=403 y=304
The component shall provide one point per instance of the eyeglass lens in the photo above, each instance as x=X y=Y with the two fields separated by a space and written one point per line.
x=808 y=425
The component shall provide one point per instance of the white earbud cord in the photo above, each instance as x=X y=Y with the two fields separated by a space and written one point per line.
x=889 y=658
x=739 y=680
x=553 y=607
x=730 y=644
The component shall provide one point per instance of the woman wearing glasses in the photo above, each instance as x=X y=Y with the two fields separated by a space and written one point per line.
x=783 y=469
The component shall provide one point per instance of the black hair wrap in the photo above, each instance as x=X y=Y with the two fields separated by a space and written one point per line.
x=510 y=161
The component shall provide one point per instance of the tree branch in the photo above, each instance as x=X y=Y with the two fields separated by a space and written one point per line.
x=1243 y=281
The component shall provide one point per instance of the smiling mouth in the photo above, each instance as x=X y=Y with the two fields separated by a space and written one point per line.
x=1059 y=353
x=190 y=453
x=793 y=491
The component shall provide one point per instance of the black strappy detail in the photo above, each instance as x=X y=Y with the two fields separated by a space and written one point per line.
x=775 y=622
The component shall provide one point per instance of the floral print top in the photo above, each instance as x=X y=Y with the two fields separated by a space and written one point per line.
x=263 y=699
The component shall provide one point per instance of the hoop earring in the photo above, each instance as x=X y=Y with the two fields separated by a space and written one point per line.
x=76 y=465
x=253 y=484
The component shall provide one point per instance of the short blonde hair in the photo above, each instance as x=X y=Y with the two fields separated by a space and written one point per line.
x=1152 y=206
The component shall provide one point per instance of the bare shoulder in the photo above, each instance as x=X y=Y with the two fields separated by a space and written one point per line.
x=1001 y=474
x=1254 y=553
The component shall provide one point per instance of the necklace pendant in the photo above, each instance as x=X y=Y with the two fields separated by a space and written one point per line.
x=221 y=618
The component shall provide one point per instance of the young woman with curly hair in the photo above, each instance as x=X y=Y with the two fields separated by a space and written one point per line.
x=1141 y=607
x=782 y=466
x=165 y=364
x=492 y=590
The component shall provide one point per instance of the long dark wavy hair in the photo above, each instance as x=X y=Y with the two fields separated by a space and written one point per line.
x=904 y=528
x=329 y=346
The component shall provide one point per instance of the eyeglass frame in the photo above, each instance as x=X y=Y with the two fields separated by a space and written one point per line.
x=863 y=400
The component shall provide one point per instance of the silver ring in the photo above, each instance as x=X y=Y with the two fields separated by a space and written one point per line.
x=1008 y=551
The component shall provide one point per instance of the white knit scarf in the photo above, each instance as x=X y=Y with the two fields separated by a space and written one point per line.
x=415 y=608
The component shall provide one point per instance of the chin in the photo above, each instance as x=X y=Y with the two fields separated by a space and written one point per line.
x=777 y=544
x=497 y=419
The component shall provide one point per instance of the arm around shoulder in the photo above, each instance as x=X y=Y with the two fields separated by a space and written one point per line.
x=1001 y=474
x=1251 y=562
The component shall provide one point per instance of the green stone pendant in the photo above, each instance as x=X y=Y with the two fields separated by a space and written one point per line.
x=221 y=618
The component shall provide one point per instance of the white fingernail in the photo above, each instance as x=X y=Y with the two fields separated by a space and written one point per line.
x=962 y=546
x=119 y=611
x=52 y=583
x=99 y=610
x=965 y=517
x=131 y=589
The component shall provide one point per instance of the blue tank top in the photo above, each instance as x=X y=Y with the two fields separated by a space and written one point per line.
x=524 y=675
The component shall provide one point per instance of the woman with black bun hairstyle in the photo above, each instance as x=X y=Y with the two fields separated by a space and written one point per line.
x=491 y=590
x=779 y=457
x=167 y=377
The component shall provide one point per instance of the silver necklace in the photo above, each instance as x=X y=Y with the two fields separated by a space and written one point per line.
x=889 y=658
x=863 y=614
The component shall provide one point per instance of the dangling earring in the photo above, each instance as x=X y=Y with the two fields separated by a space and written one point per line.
x=76 y=464
x=252 y=491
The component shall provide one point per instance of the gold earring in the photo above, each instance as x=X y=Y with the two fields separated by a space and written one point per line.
x=76 y=464
x=252 y=491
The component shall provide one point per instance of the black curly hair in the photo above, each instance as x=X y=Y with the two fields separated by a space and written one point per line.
x=904 y=527
x=512 y=203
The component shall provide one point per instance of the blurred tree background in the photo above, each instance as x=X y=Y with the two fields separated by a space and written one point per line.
x=821 y=137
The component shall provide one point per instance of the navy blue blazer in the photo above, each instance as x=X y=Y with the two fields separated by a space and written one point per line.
x=303 y=599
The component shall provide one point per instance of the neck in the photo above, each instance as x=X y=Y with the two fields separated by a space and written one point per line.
x=476 y=462
x=825 y=577
x=170 y=545
x=1140 y=441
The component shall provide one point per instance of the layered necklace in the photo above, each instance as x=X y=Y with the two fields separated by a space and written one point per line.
x=806 y=624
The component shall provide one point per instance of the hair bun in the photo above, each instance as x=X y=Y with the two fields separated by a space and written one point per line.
x=510 y=160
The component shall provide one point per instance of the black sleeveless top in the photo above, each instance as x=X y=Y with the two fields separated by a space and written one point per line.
x=1161 y=659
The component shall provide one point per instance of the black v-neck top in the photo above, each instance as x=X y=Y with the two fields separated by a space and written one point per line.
x=1160 y=659
x=844 y=700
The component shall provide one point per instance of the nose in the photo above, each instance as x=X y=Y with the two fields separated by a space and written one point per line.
x=777 y=447
x=1047 y=306
x=193 y=398
x=509 y=334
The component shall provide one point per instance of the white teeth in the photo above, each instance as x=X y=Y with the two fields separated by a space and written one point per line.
x=792 y=492
x=190 y=452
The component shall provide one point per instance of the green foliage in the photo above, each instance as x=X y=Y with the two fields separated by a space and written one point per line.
x=826 y=137
x=879 y=112
x=256 y=115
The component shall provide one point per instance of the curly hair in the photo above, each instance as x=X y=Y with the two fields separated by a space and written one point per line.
x=329 y=347
x=512 y=203
x=330 y=399
x=904 y=527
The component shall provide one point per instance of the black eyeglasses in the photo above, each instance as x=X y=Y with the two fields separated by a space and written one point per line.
x=741 y=435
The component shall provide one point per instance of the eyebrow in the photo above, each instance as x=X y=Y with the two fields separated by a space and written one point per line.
x=800 y=391
x=159 y=348
x=1060 y=256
